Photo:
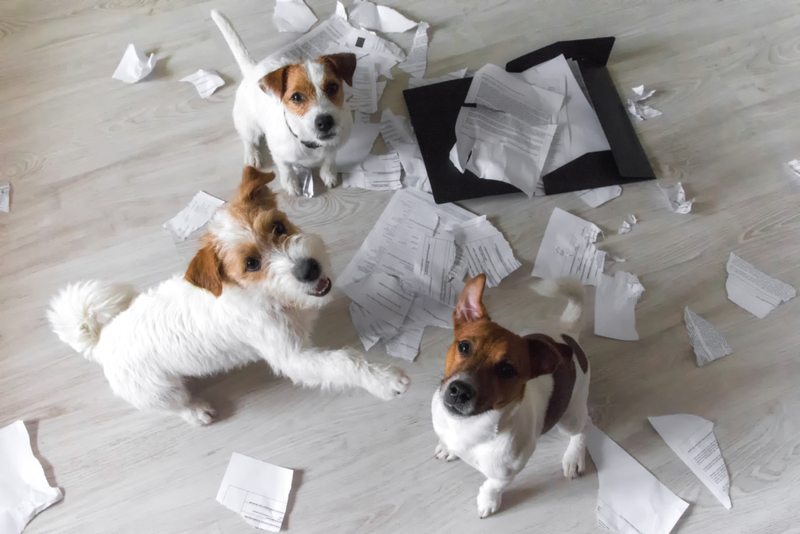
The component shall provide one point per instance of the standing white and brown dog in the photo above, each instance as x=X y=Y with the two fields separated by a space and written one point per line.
x=251 y=293
x=502 y=391
x=299 y=108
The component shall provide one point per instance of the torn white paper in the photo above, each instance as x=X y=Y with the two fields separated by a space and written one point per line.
x=794 y=167
x=293 y=16
x=708 y=344
x=199 y=211
x=416 y=175
x=134 y=66
x=753 y=290
x=396 y=129
x=5 y=197
x=615 y=306
x=361 y=118
x=24 y=490
x=419 y=82
x=370 y=329
x=380 y=87
x=364 y=90
x=435 y=260
x=376 y=173
x=481 y=248
x=382 y=296
x=568 y=251
x=627 y=224
x=600 y=195
x=424 y=312
x=692 y=439
x=358 y=146
x=257 y=491
x=507 y=135
x=630 y=500
x=380 y=18
x=306 y=179
x=417 y=60
x=637 y=109
x=206 y=82
x=676 y=197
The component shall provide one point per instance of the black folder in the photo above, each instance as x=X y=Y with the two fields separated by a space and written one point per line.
x=433 y=110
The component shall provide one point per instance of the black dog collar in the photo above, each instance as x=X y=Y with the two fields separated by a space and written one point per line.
x=308 y=144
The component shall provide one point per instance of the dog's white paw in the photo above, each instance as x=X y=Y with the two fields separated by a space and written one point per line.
x=389 y=382
x=199 y=414
x=442 y=452
x=252 y=158
x=488 y=502
x=574 y=461
x=328 y=175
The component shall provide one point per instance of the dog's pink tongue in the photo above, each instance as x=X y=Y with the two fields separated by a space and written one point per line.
x=322 y=284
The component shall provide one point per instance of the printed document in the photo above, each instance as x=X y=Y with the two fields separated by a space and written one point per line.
x=615 y=306
x=753 y=290
x=708 y=344
x=568 y=251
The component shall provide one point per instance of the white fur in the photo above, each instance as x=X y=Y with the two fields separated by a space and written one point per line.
x=257 y=114
x=176 y=330
x=499 y=443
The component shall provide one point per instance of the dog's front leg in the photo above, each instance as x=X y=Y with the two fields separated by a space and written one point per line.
x=491 y=494
x=327 y=172
x=287 y=177
x=340 y=369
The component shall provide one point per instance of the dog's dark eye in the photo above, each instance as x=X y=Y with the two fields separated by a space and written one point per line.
x=506 y=370
x=331 y=89
x=279 y=228
x=297 y=97
x=463 y=347
x=253 y=264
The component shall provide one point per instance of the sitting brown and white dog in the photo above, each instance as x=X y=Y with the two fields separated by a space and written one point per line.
x=502 y=391
x=299 y=108
x=251 y=293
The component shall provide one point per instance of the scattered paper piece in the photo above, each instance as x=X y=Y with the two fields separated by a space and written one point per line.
x=370 y=329
x=639 y=110
x=5 y=197
x=293 y=16
x=692 y=439
x=600 y=195
x=615 y=304
x=568 y=251
x=433 y=265
x=380 y=18
x=753 y=290
x=382 y=296
x=134 y=66
x=380 y=87
x=365 y=89
x=708 y=344
x=630 y=500
x=375 y=173
x=358 y=146
x=199 y=211
x=24 y=490
x=306 y=179
x=481 y=248
x=257 y=491
x=419 y=82
x=424 y=312
x=417 y=60
x=794 y=167
x=616 y=259
x=416 y=175
x=396 y=129
x=676 y=197
x=206 y=82
x=627 y=224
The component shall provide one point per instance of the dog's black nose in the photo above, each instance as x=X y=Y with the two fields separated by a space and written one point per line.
x=324 y=123
x=307 y=270
x=458 y=393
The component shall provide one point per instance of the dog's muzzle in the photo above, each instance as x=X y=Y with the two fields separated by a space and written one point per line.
x=459 y=397
x=308 y=270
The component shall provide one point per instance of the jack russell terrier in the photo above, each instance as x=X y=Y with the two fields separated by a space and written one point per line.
x=299 y=108
x=251 y=293
x=502 y=391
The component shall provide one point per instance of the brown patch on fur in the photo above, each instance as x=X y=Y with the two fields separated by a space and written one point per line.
x=293 y=86
x=563 y=376
x=205 y=269
x=583 y=361
x=340 y=66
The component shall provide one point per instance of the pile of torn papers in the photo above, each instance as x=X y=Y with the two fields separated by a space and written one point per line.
x=409 y=272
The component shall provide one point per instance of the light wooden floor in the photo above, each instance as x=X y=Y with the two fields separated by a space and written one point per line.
x=97 y=166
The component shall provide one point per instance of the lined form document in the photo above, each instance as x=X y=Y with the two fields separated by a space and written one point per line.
x=568 y=251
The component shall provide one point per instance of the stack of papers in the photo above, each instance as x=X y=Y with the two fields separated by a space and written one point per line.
x=199 y=211
x=708 y=344
x=615 y=305
x=568 y=251
x=753 y=290
x=409 y=272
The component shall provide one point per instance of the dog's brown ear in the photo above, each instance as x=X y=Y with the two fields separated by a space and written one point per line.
x=275 y=81
x=546 y=354
x=253 y=187
x=469 y=307
x=205 y=270
x=343 y=65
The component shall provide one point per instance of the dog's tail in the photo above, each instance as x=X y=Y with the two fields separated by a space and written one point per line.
x=235 y=43
x=565 y=287
x=80 y=311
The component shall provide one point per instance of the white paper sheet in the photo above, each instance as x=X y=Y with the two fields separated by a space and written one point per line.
x=293 y=16
x=637 y=108
x=206 y=82
x=306 y=179
x=396 y=129
x=376 y=173
x=568 y=251
x=199 y=211
x=708 y=344
x=365 y=89
x=134 y=66
x=358 y=146
x=630 y=500
x=692 y=439
x=676 y=197
x=5 y=197
x=481 y=248
x=380 y=87
x=615 y=305
x=753 y=290
x=380 y=18
x=419 y=82
x=424 y=312
x=383 y=297
x=508 y=136
x=576 y=71
x=401 y=255
x=435 y=260
x=417 y=60
x=600 y=195
x=24 y=490
x=416 y=175
x=370 y=329
x=257 y=491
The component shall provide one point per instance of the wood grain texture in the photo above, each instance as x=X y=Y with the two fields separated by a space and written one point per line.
x=97 y=166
